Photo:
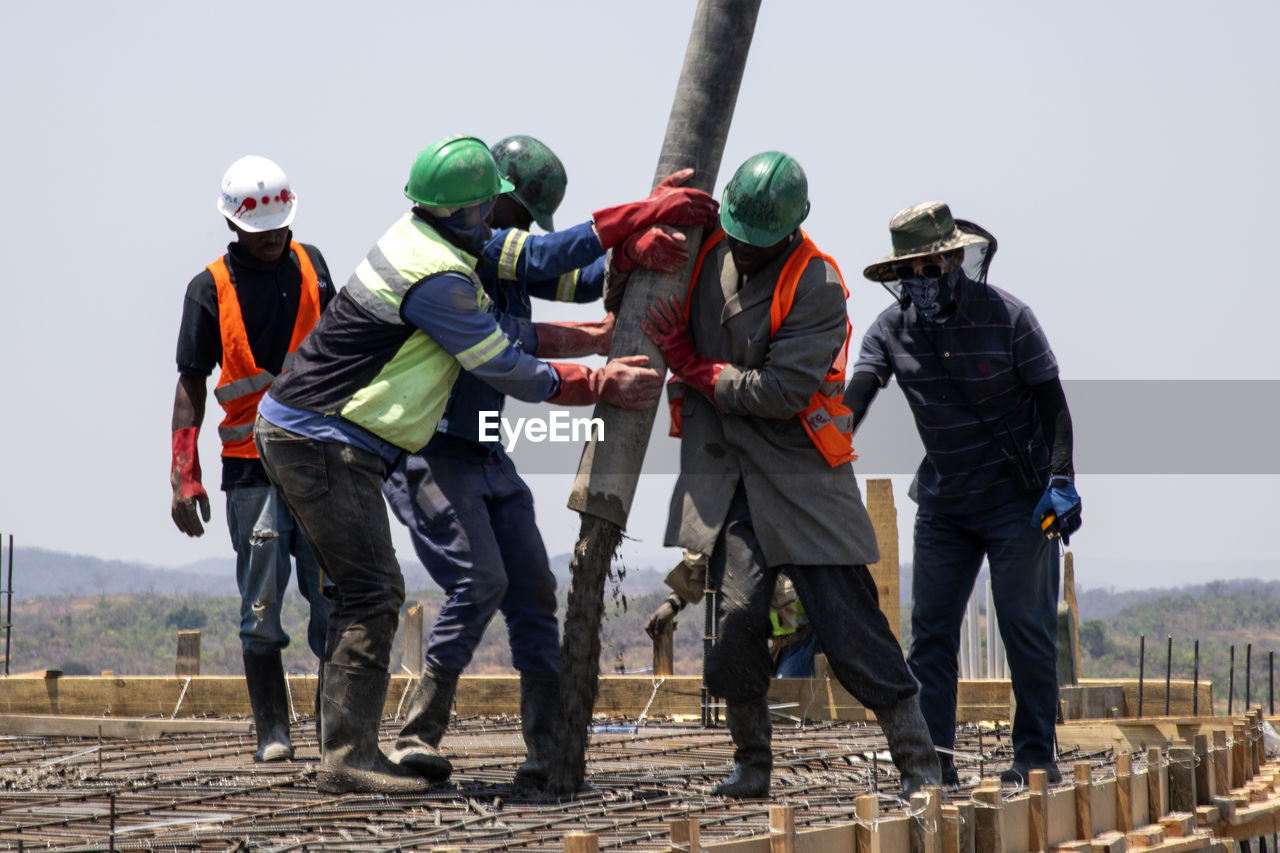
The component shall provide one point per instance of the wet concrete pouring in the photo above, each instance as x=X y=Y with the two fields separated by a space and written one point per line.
x=203 y=792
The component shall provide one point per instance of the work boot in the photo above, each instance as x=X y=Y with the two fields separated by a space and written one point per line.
x=425 y=720
x=319 y=688
x=350 y=760
x=950 y=776
x=264 y=675
x=910 y=745
x=752 y=733
x=543 y=724
x=1019 y=773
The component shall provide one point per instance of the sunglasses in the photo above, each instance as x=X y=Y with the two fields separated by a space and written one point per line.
x=929 y=271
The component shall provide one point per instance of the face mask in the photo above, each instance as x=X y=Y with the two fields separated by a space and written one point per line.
x=933 y=297
x=468 y=227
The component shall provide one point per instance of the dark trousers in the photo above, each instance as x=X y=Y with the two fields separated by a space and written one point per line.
x=473 y=527
x=334 y=492
x=840 y=601
x=1024 y=585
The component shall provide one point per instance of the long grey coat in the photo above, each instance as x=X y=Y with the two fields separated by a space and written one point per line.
x=804 y=511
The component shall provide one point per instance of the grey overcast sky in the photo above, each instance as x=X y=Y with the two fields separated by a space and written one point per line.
x=1122 y=152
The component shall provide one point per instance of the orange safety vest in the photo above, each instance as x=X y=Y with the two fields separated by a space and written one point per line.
x=826 y=419
x=242 y=383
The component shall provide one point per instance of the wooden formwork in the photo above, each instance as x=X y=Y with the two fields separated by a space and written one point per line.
x=1202 y=794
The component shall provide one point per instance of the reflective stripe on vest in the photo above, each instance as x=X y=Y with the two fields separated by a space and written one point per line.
x=242 y=383
x=403 y=403
x=826 y=419
x=509 y=258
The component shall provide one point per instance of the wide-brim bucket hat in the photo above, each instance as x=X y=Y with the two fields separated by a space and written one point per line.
x=923 y=229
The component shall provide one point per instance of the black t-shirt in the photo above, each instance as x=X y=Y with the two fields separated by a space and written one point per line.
x=268 y=297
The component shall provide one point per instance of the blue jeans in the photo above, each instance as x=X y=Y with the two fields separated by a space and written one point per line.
x=796 y=660
x=334 y=491
x=472 y=523
x=264 y=536
x=1024 y=585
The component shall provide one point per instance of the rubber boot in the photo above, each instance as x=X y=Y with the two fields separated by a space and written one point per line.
x=910 y=745
x=425 y=720
x=264 y=674
x=752 y=733
x=350 y=761
x=543 y=724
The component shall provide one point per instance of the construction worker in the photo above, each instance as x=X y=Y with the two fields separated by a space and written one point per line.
x=248 y=311
x=470 y=514
x=983 y=385
x=766 y=482
x=369 y=385
x=792 y=643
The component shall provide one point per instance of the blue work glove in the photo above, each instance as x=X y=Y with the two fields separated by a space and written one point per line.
x=1058 y=512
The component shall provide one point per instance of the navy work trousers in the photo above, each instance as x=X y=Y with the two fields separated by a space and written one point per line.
x=472 y=524
x=1024 y=585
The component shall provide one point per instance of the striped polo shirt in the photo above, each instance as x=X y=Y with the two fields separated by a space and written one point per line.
x=978 y=366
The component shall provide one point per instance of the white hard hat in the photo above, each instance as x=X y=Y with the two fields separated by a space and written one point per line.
x=256 y=195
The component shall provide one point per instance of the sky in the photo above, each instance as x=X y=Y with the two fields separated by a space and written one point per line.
x=1122 y=153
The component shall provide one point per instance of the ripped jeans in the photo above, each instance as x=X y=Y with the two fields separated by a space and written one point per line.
x=265 y=537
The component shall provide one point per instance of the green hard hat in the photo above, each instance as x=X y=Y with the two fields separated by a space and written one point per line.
x=455 y=172
x=537 y=173
x=765 y=200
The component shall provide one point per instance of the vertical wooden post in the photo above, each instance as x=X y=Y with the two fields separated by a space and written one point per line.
x=1239 y=765
x=1182 y=779
x=884 y=518
x=188 y=657
x=1124 y=792
x=1069 y=596
x=926 y=829
x=412 y=657
x=1204 y=771
x=987 y=819
x=1155 y=785
x=1084 y=806
x=581 y=842
x=1037 y=831
x=664 y=650
x=782 y=829
x=1221 y=764
x=867 y=810
x=686 y=835
x=957 y=828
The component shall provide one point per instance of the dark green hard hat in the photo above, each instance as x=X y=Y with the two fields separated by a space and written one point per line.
x=537 y=173
x=765 y=200
x=456 y=171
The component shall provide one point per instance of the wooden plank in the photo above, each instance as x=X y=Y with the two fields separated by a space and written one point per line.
x=988 y=802
x=827 y=839
x=1015 y=823
x=867 y=809
x=187 y=661
x=926 y=831
x=1069 y=596
x=1109 y=842
x=884 y=519
x=581 y=842
x=1157 y=785
x=1060 y=816
x=782 y=829
x=686 y=835
x=1182 y=779
x=1084 y=802
x=1204 y=770
x=1038 y=785
x=1221 y=762
x=412 y=657
x=41 y=725
x=664 y=650
x=958 y=828
x=1140 y=814
x=1102 y=806
x=1124 y=792
x=893 y=835
x=1178 y=824
x=1146 y=836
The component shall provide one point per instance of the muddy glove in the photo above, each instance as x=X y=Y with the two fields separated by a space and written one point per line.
x=666 y=326
x=628 y=382
x=184 y=476
x=662 y=617
x=1058 y=512
x=669 y=202
x=575 y=385
x=574 y=340
x=660 y=248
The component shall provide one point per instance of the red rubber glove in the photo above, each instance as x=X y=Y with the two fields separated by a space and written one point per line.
x=669 y=202
x=628 y=382
x=184 y=476
x=666 y=326
x=574 y=340
x=575 y=385
x=660 y=248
